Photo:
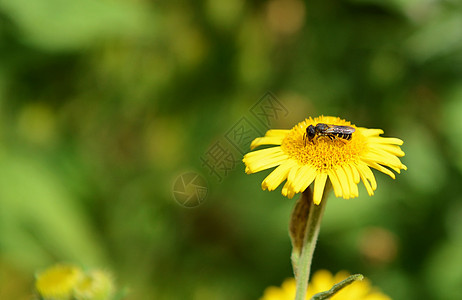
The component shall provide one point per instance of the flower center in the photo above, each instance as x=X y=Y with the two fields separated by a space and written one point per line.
x=322 y=152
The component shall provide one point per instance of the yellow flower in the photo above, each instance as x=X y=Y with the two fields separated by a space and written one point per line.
x=97 y=285
x=322 y=281
x=57 y=282
x=344 y=162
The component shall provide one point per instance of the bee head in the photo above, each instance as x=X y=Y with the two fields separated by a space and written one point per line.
x=310 y=132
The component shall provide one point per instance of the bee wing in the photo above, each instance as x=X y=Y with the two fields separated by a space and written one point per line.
x=330 y=128
x=339 y=129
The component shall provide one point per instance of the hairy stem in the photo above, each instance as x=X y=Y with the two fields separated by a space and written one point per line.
x=313 y=225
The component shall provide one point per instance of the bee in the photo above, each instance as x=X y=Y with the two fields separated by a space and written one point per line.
x=344 y=133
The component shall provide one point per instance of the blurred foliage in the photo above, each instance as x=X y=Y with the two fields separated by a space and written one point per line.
x=104 y=103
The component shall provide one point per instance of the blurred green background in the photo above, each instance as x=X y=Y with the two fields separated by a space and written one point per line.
x=103 y=104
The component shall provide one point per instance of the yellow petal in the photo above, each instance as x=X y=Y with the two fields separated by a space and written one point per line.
x=370 y=132
x=262 y=154
x=263 y=159
x=382 y=158
x=355 y=171
x=267 y=163
x=274 y=179
x=322 y=280
x=344 y=182
x=292 y=174
x=304 y=178
x=285 y=189
x=353 y=186
x=267 y=140
x=288 y=191
x=366 y=183
x=319 y=184
x=381 y=168
x=368 y=173
x=277 y=132
x=392 y=149
x=363 y=173
x=384 y=140
x=335 y=183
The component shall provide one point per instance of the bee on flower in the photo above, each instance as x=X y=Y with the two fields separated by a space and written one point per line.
x=324 y=148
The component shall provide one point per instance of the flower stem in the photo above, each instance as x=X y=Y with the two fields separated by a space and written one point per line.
x=309 y=243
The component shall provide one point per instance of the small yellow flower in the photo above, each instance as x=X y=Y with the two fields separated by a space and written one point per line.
x=344 y=162
x=57 y=282
x=97 y=285
x=323 y=281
